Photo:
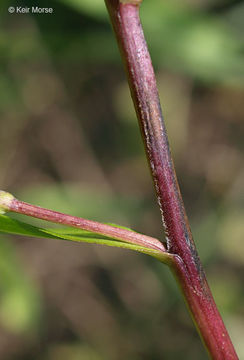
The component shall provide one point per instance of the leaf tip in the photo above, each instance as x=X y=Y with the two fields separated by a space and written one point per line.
x=5 y=201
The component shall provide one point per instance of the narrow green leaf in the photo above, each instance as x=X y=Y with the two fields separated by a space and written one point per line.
x=13 y=226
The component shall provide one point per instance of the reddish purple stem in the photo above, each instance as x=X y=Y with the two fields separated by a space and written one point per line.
x=187 y=266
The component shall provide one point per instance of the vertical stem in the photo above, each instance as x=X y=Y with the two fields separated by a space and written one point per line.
x=187 y=267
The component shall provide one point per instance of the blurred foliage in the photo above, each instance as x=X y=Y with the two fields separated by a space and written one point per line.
x=20 y=300
x=69 y=141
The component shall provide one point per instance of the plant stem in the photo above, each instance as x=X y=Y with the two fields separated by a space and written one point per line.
x=9 y=203
x=187 y=266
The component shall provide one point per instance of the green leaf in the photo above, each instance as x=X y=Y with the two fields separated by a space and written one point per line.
x=12 y=226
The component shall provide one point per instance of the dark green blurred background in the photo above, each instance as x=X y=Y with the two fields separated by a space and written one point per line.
x=69 y=140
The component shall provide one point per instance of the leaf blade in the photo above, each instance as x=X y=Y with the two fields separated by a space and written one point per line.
x=12 y=226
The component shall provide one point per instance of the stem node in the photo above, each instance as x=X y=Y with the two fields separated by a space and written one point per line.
x=5 y=201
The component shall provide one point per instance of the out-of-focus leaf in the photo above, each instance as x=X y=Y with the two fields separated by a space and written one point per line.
x=189 y=41
x=94 y=8
x=230 y=236
x=20 y=304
